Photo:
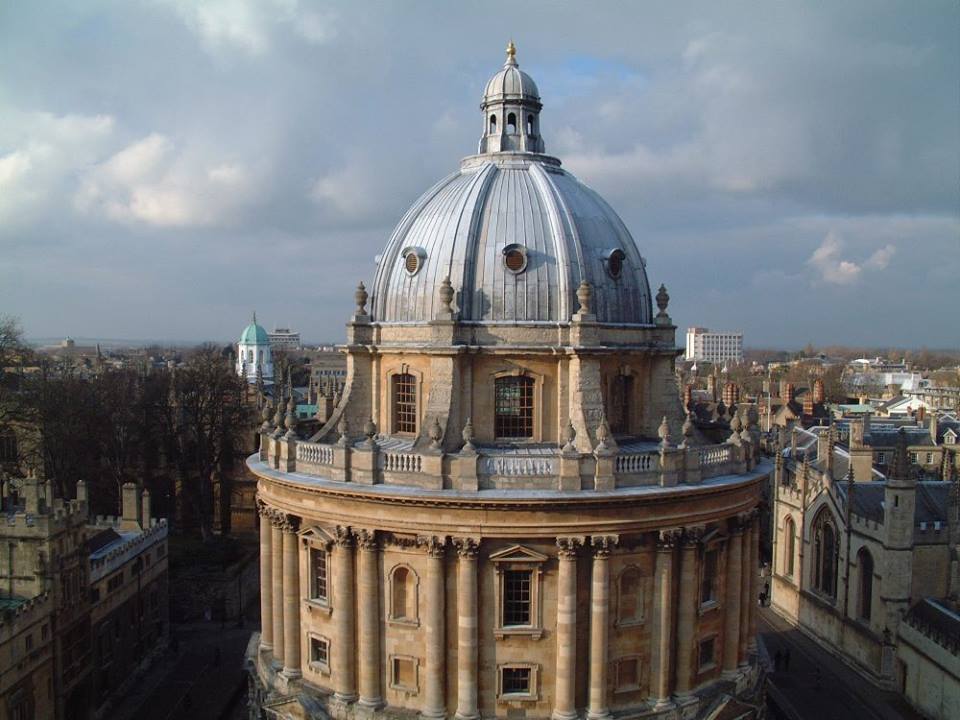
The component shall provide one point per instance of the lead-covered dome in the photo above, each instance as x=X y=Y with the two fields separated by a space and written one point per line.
x=515 y=233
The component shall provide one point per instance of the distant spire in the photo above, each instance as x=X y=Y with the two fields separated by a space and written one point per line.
x=254 y=317
x=511 y=53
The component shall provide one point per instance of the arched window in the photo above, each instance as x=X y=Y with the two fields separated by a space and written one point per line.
x=493 y=124
x=530 y=125
x=511 y=123
x=630 y=597
x=404 y=392
x=789 y=546
x=250 y=356
x=618 y=407
x=825 y=554
x=403 y=595
x=513 y=407
x=865 y=603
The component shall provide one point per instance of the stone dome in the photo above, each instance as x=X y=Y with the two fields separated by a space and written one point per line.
x=515 y=233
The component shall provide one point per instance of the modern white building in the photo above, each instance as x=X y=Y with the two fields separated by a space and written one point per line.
x=253 y=353
x=715 y=347
x=284 y=339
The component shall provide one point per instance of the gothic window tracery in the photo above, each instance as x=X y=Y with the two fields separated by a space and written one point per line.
x=865 y=603
x=825 y=551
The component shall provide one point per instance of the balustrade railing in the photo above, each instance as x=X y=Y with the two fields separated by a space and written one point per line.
x=400 y=462
x=636 y=463
x=315 y=453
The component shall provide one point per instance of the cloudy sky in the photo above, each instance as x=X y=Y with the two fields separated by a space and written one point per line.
x=167 y=166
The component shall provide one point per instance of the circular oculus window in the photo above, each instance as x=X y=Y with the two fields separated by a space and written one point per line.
x=515 y=258
x=413 y=260
x=615 y=264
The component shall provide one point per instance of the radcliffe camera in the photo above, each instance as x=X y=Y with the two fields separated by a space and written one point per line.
x=514 y=361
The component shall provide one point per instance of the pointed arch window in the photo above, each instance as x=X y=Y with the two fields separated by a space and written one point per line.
x=865 y=597
x=789 y=546
x=825 y=549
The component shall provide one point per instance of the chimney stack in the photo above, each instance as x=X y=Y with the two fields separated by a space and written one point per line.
x=788 y=392
x=808 y=403
x=131 y=507
x=819 y=392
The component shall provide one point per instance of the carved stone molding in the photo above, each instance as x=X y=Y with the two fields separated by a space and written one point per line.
x=467 y=547
x=403 y=541
x=668 y=539
x=366 y=539
x=435 y=545
x=603 y=544
x=693 y=535
x=289 y=523
x=567 y=547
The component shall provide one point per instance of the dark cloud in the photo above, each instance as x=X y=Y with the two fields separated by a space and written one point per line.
x=168 y=165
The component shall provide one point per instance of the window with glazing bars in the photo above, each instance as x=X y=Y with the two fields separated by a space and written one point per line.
x=620 y=394
x=513 y=407
x=516 y=680
x=404 y=403
x=318 y=572
x=516 y=597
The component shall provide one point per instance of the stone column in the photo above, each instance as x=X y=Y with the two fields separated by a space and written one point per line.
x=369 y=620
x=663 y=619
x=731 y=620
x=344 y=642
x=564 y=707
x=291 y=598
x=599 y=626
x=687 y=609
x=266 y=579
x=434 y=700
x=276 y=570
x=745 y=590
x=467 y=707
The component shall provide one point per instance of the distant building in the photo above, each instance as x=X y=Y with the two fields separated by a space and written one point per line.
x=254 y=359
x=284 y=339
x=715 y=347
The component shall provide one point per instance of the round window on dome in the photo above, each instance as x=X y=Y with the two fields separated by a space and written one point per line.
x=515 y=258
x=615 y=264
x=413 y=260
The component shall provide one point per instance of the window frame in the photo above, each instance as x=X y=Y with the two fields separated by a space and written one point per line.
x=533 y=691
x=317 y=539
x=412 y=576
x=318 y=666
x=389 y=421
x=536 y=398
x=863 y=579
x=712 y=664
x=519 y=558
x=789 y=546
x=621 y=392
x=392 y=674
x=824 y=518
x=638 y=680
x=640 y=617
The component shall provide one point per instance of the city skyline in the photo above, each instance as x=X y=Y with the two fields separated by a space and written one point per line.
x=166 y=169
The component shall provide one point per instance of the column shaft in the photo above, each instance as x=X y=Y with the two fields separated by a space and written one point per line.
x=369 y=621
x=344 y=649
x=663 y=620
x=291 y=601
x=266 y=583
x=599 y=629
x=564 y=707
x=745 y=590
x=754 y=582
x=434 y=702
x=731 y=629
x=467 y=708
x=276 y=570
x=687 y=612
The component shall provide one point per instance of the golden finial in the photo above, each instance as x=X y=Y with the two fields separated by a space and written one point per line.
x=511 y=53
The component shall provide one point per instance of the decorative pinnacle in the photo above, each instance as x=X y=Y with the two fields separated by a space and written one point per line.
x=360 y=297
x=511 y=53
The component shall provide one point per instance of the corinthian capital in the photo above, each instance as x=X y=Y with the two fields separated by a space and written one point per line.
x=343 y=536
x=467 y=547
x=603 y=544
x=669 y=538
x=366 y=539
x=435 y=545
x=567 y=547
x=289 y=523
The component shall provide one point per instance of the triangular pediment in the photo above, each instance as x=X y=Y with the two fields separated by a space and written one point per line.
x=518 y=553
x=317 y=534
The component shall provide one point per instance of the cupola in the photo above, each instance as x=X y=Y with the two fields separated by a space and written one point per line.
x=511 y=110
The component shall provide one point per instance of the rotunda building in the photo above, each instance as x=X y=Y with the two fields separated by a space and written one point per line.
x=254 y=359
x=506 y=512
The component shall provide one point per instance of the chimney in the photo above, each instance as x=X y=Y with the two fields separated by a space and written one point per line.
x=131 y=507
x=808 y=403
x=819 y=392
x=787 y=393
x=712 y=387
x=921 y=414
x=731 y=394
x=145 y=508
x=81 y=491
x=933 y=426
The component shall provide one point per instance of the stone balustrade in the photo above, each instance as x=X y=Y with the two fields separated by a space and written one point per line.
x=315 y=453
x=400 y=462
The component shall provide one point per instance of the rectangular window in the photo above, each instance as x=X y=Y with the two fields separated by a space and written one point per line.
x=404 y=673
x=8 y=448
x=706 y=656
x=929 y=458
x=628 y=674
x=621 y=394
x=318 y=574
x=516 y=597
x=708 y=589
x=404 y=403
x=515 y=681
x=513 y=407
x=319 y=651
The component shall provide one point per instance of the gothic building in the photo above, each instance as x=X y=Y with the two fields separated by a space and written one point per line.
x=505 y=512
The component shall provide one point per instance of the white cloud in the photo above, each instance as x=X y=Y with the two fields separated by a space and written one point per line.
x=830 y=267
x=49 y=150
x=152 y=182
x=249 y=25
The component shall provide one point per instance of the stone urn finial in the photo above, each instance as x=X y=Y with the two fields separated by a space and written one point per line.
x=360 y=297
x=342 y=428
x=278 y=415
x=445 y=293
x=569 y=434
x=584 y=294
x=687 y=430
x=663 y=432
x=370 y=430
x=436 y=434
x=290 y=422
x=265 y=414
x=604 y=436
x=467 y=435
x=735 y=424
x=663 y=299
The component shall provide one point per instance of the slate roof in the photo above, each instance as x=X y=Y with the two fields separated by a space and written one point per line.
x=868 y=501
